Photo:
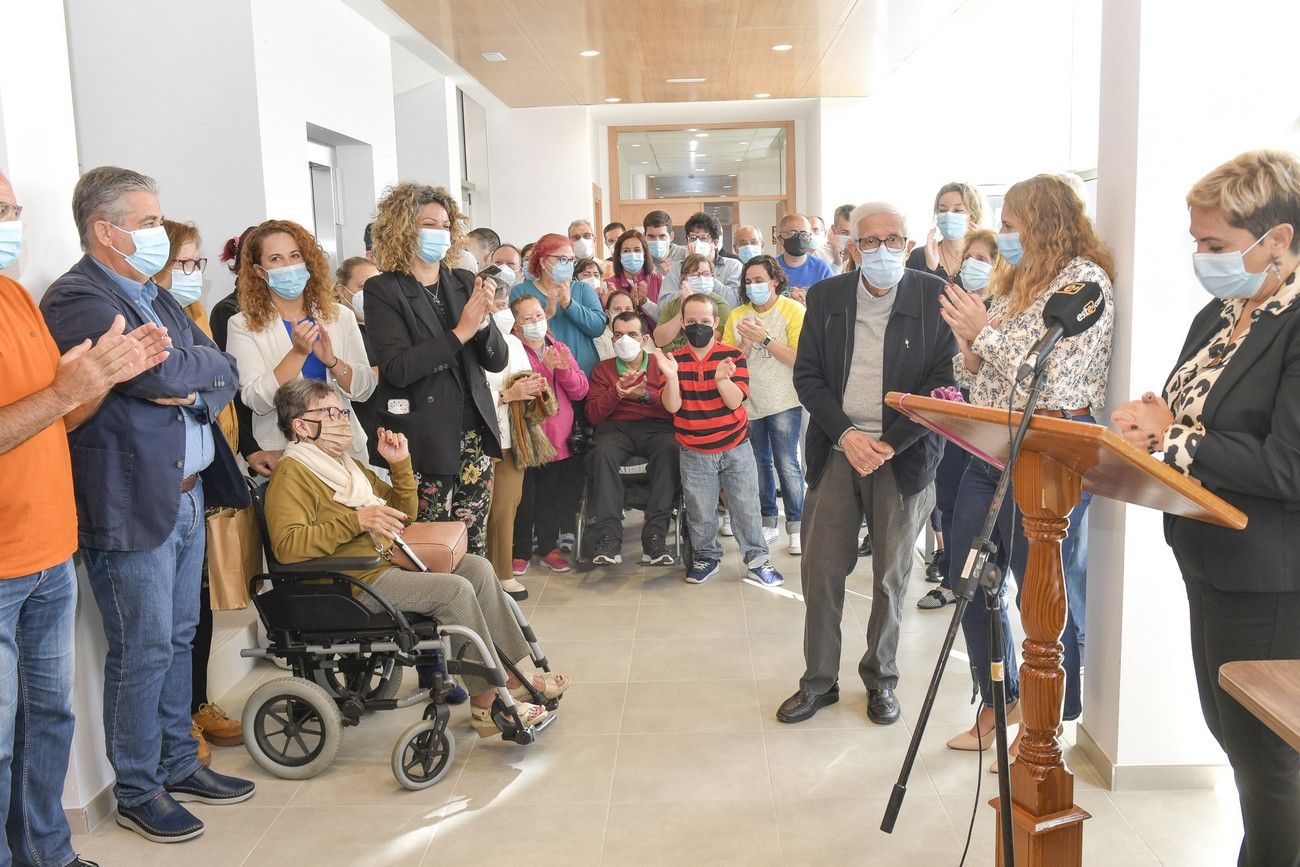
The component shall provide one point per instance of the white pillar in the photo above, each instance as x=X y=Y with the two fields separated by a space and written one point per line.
x=1185 y=86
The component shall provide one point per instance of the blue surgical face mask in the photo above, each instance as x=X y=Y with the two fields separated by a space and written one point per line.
x=632 y=262
x=152 y=249
x=749 y=251
x=759 y=293
x=951 y=224
x=186 y=288
x=658 y=248
x=703 y=284
x=974 y=275
x=434 y=244
x=1224 y=275
x=289 y=281
x=884 y=267
x=11 y=241
x=1010 y=248
x=561 y=271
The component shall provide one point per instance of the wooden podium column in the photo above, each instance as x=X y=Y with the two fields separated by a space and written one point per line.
x=1048 y=827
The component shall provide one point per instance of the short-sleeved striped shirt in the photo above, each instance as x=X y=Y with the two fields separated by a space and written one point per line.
x=704 y=423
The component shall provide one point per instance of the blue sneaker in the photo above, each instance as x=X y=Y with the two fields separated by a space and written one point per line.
x=208 y=787
x=767 y=574
x=701 y=570
x=161 y=820
x=456 y=695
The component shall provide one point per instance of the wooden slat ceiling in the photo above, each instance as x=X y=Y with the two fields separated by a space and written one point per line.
x=840 y=47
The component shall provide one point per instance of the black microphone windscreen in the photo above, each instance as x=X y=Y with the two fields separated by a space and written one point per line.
x=1076 y=307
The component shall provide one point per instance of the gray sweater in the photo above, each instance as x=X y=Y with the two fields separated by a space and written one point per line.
x=864 y=392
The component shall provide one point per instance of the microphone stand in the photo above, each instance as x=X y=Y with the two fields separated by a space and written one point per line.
x=980 y=573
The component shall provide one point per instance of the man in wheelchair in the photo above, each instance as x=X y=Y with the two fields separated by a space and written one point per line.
x=321 y=503
x=623 y=405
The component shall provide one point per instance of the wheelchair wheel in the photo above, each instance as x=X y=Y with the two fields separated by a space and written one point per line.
x=292 y=728
x=423 y=754
x=357 y=677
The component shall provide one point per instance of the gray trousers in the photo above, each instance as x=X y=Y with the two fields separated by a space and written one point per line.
x=832 y=516
x=472 y=597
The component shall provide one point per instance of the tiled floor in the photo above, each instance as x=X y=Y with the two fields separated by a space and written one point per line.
x=667 y=752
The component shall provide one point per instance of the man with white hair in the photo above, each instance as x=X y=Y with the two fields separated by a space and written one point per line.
x=867 y=332
x=582 y=235
x=748 y=243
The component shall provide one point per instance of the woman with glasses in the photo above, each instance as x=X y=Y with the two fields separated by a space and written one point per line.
x=697 y=278
x=291 y=325
x=1046 y=242
x=573 y=312
x=958 y=209
x=431 y=329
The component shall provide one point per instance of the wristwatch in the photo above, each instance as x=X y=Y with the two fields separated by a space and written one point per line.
x=766 y=341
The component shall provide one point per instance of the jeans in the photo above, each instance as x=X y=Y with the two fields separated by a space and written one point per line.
x=947 y=480
x=149 y=601
x=1076 y=577
x=36 y=639
x=776 y=450
x=735 y=473
x=973 y=499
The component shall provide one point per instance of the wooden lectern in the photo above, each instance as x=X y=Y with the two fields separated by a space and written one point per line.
x=1059 y=460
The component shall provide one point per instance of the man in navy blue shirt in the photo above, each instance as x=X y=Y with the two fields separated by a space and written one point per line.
x=794 y=237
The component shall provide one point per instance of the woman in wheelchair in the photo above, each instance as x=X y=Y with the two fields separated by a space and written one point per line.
x=322 y=503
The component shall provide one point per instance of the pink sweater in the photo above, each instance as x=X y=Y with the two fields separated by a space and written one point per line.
x=569 y=384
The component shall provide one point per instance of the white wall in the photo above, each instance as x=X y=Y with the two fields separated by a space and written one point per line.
x=539 y=164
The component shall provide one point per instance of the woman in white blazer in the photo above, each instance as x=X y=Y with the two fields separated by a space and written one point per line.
x=290 y=325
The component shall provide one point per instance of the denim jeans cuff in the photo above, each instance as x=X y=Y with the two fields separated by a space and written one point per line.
x=769 y=520
x=792 y=526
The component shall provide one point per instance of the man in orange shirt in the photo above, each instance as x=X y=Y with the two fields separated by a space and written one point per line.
x=42 y=396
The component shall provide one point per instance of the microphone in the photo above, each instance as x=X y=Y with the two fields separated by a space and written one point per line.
x=1071 y=310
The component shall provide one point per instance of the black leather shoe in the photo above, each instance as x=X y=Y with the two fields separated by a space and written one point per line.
x=882 y=706
x=803 y=704
x=864 y=550
x=208 y=787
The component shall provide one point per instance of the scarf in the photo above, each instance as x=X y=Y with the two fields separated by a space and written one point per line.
x=343 y=475
x=530 y=444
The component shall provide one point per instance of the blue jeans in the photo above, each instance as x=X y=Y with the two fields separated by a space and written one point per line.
x=37 y=613
x=149 y=601
x=1076 y=576
x=735 y=473
x=777 y=437
x=973 y=499
x=947 y=481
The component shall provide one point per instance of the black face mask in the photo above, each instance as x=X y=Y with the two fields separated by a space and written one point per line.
x=698 y=334
x=796 y=245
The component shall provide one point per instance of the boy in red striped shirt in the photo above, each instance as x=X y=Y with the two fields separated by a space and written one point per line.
x=705 y=385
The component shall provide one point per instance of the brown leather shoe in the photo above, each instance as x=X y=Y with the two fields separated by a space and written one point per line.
x=219 y=729
x=205 y=752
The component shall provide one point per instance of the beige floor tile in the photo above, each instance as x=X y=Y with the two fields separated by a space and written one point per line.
x=364 y=777
x=705 y=620
x=271 y=790
x=696 y=833
x=230 y=834
x=691 y=767
x=542 y=834
x=775 y=616
x=691 y=706
x=691 y=659
x=590 y=708
x=556 y=769
x=781 y=656
x=346 y=835
x=591 y=660
x=1187 y=828
x=584 y=622
x=839 y=763
x=599 y=587
x=817 y=832
x=667 y=588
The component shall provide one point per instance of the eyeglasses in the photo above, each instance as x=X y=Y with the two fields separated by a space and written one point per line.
x=697 y=237
x=189 y=266
x=787 y=235
x=333 y=413
x=563 y=260
x=872 y=244
x=10 y=212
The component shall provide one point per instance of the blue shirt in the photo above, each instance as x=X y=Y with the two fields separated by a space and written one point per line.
x=575 y=326
x=313 y=367
x=813 y=270
x=199 y=448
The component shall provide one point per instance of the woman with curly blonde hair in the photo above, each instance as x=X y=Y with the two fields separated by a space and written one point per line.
x=431 y=331
x=1046 y=242
x=290 y=325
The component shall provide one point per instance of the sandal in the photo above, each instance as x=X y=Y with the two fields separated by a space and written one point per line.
x=936 y=598
x=481 y=717
x=553 y=686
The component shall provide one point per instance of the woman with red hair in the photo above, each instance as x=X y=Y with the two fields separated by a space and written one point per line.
x=573 y=312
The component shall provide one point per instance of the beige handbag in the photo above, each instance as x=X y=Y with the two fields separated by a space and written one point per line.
x=439 y=545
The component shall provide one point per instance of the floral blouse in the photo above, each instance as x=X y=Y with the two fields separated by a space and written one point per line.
x=1190 y=385
x=1076 y=370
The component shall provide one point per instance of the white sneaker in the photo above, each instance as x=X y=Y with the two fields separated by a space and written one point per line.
x=796 y=545
x=566 y=543
x=726 y=524
x=771 y=534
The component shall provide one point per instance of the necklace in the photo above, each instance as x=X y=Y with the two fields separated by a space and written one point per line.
x=946 y=262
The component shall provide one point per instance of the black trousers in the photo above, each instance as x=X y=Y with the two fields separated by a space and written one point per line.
x=201 y=648
x=550 y=493
x=615 y=442
x=1227 y=627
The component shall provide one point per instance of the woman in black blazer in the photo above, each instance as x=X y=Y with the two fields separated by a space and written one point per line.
x=431 y=331
x=1230 y=418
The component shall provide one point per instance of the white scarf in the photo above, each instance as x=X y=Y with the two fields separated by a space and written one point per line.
x=342 y=475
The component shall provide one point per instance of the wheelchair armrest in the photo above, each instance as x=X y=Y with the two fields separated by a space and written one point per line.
x=330 y=564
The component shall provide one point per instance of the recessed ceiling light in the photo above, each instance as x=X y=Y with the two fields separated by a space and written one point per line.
x=737 y=160
x=685 y=80
x=700 y=154
x=782 y=47
x=761 y=95
x=645 y=162
x=590 y=52
x=494 y=56
x=636 y=145
x=613 y=99
x=701 y=135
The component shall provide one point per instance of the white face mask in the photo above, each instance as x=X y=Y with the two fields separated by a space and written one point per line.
x=593 y=282
x=704 y=248
x=358 y=301
x=505 y=320
x=507 y=275
x=584 y=248
x=534 y=330
x=627 y=348
x=702 y=284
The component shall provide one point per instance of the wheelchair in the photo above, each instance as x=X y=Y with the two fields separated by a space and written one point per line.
x=348 y=661
x=635 y=475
